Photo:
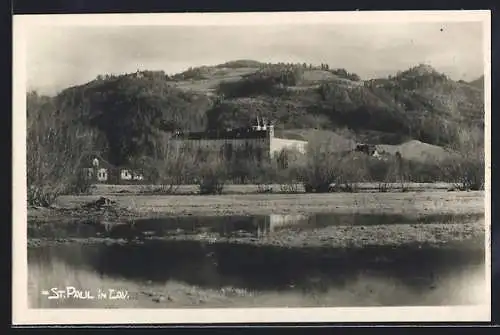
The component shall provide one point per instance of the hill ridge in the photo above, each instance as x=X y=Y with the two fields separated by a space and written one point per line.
x=128 y=110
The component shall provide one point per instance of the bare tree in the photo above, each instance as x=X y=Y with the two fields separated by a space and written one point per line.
x=353 y=169
x=466 y=167
x=212 y=174
x=322 y=165
x=171 y=165
x=286 y=164
x=55 y=147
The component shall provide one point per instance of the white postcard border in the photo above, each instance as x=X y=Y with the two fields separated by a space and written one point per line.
x=24 y=315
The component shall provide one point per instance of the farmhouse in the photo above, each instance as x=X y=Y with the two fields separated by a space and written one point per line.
x=98 y=170
x=368 y=149
x=258 y=141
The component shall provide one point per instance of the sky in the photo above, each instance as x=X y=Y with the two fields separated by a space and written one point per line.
x=59 y=57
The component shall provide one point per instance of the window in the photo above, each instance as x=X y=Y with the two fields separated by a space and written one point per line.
x=102 y=174
x=125 y=174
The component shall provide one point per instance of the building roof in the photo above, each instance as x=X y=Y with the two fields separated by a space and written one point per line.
x=240 y=133
x=87 y=159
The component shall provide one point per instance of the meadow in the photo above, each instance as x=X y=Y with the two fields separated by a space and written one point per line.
x=253 y=204
x=450 y=216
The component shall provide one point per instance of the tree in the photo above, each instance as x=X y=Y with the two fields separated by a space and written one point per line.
x=171 y=164
x=321 y=166
x=212 y=175
x=55 y=148
x=128 y=110
x=466 y=167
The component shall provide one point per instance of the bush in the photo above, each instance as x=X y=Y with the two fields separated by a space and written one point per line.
x=170 y=165
x=211 y=185
x=466 y=167
x=466 y=173
x=353 y=169
x=81 y=184
x=265 y=173
x=321 y=167
x=332 y=170
x=212 y=177
x=263 y=188
x=287 y=164
x=40 y=195
x=289 y=188
x=275 y=172
x=382 y=171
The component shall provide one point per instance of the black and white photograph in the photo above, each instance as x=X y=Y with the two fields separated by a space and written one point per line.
x=258 y=167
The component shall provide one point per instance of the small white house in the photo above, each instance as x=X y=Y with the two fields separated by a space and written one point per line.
x=97 y=169
x=126 y=174
x=138 y=177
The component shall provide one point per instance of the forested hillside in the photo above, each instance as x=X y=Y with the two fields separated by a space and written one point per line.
x=127 y=112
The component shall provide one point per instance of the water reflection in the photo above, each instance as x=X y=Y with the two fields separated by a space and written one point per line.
x=228 y=226
x=413 y=276
x=356 y=277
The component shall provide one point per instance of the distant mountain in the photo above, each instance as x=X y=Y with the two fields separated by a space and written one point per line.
x=478 y=83
x=129 y=111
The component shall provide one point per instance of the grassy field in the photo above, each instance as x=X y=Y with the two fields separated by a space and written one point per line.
x=265 y=204
x=215 y=76
x=436 y=218
x=417 y=151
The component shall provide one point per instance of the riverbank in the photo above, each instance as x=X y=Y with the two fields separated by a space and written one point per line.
x=127 y=207
x=425 y=224
x=439 y=231
x=233 y=189
x=435 y=218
